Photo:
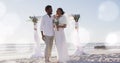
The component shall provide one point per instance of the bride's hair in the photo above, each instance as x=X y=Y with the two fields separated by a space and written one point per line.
x=61 y=10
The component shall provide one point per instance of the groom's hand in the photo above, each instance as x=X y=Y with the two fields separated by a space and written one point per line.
x=43 y=37
x=35 y=28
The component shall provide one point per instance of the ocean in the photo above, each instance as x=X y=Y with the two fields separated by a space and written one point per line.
x=26 y=50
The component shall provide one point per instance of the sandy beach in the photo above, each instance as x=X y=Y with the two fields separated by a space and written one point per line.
x=94 y=56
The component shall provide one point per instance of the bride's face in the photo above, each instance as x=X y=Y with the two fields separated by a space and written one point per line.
x=59 y=12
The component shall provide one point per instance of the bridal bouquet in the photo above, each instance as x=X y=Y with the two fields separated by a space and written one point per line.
x=56 y=22
x=76 y=17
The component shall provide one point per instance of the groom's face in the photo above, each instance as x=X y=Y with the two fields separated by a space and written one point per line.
x=49 y=11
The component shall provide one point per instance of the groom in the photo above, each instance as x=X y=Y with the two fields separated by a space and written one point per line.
x=47 y=31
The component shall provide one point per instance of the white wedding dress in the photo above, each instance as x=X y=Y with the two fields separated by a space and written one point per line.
x=60 y=41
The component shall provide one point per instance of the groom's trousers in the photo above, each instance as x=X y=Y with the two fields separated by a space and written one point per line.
x=48 y=48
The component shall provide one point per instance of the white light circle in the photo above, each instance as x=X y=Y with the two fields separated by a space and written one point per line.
x=2 y=9
x=10 y=23
x=2 y=34
x=76 y=38
x=108 y=11
x=83 y=36
x=112 y=39
x=12 y=20
x=79 y=38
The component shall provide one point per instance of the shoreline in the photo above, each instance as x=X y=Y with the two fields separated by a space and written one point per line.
x=91 y=56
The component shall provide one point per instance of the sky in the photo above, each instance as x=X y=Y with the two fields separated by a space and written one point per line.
x=99 y=21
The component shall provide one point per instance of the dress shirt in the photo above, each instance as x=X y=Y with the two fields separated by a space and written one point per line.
x=47 y=25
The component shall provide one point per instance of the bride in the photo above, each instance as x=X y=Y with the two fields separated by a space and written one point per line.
x=60 y=40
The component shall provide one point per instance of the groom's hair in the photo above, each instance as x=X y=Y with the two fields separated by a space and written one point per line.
x=47 y=7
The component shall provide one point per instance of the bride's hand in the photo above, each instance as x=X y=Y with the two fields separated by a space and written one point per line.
x=54 y=16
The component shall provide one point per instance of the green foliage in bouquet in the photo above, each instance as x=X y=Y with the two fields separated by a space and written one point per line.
x=34 y=19
x=56 y=22
x=76 y=17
